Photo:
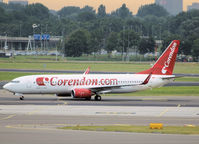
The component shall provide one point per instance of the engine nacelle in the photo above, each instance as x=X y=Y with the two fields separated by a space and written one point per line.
x=81 y=93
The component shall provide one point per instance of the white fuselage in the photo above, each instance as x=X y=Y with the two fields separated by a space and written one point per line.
x=64 y=84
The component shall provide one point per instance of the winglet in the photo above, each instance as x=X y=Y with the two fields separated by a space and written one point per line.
x=87 y=71
x=146 y=81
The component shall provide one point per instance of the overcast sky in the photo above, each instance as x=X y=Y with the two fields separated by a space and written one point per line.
x=111 y=5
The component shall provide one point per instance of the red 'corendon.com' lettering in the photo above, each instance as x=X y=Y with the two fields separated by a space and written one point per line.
x=55 y=81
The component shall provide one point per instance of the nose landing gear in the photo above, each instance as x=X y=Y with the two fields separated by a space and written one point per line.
x=21 y=98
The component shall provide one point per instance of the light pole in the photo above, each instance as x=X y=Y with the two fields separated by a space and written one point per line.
x=123 y=44
x=6 y=43
x=33 y=33
x=20 y=36
x=33 y=27
x=41 y=44
x=45 y=40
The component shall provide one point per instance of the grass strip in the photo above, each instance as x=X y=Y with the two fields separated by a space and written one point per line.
x=187 y=79
x=7 y=76
x=137 y=129
x=12 y=75
x=50 y=63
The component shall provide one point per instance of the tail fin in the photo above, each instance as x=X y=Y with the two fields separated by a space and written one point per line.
x=165 y=64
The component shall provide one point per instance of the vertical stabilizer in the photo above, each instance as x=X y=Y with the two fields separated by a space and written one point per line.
x=165 y=64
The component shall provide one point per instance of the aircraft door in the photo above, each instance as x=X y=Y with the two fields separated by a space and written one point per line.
x=29 y=83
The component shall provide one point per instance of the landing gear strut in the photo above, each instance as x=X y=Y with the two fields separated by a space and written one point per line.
x=21 y=98
x=98 y=98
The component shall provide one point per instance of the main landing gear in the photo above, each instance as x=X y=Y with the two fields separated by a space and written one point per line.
x=98 y=98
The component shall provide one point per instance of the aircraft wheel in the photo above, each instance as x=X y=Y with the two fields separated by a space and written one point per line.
x=98 y=98
x=21 y=98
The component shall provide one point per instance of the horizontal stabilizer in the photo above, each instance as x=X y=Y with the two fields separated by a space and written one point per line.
x=168 y=78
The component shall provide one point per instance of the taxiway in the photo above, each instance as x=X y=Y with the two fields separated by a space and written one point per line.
x=36 y=119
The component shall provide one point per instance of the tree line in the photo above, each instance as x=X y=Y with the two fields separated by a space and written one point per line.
x=87 y=31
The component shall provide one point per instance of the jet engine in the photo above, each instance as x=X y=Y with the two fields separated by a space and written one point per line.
x=81 y=93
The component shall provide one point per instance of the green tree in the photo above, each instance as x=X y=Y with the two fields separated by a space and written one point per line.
x=152 y=9
x=146 y=45
x=77 y=43
x=111 y=43
x=101 y=11
x=68 y=11
x=96 y=42
x=168 y=39
x=88 y=9
x=122 y=12
x=186 y=47
x=3 y=15
x=86 y=16
x=128 y=39
x=37 y=10
x=195 y=50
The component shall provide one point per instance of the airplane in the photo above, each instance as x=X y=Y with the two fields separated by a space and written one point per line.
x=87 y=85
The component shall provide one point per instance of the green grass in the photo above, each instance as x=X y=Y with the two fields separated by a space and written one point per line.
x=137 y=129
x=78 y=66
x=19 y=59
x=49 y=63
x=82 y=58
x=187 y=79
x=166 y=91
x=7 y=76
x=190 y=68
x=96 y=66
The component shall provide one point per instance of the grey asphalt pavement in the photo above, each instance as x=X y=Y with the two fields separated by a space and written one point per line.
x=7 y=98
x=36 y=119
x=48 y=136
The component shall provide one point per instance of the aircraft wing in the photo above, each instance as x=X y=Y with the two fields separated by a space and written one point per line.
x=106 y=88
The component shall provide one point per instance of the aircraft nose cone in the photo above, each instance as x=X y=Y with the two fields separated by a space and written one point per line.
x=6 y=86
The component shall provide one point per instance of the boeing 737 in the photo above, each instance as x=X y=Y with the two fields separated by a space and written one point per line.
x=87 y=85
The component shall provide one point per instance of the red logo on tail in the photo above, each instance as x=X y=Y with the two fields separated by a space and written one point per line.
x=167 y=63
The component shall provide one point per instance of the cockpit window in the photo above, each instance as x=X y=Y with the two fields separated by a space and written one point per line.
x=14 y=81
